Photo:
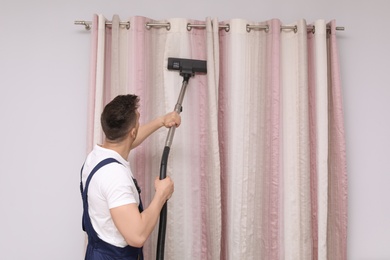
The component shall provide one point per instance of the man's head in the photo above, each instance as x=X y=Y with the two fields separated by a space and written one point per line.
x=119 y=117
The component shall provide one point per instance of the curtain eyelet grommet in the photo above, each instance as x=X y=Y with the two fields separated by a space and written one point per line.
x=248 y=28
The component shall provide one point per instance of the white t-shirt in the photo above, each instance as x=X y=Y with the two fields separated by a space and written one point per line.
x=111 y=186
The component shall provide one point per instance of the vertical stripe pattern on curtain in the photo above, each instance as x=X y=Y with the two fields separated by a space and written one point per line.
x=337 y=165
x=95 y=102
x=194 y=210
x=259 y=160
x=108 y=71
x=295 y=120
x=319 y=129
x=249 y=141
x=275 y=180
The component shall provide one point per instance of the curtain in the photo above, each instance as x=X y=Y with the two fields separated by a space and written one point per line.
x=259 y=160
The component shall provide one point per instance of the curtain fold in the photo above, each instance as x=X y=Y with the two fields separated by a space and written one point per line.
x=93 y=102
x=338 y=186
x=295 y=145
x=319 y=65
x=249 y=136
x=194 y=216
x=259 y=160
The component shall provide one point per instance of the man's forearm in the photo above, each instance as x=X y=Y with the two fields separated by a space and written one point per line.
x=136 y=227
x=150 y=215
x=145 y=130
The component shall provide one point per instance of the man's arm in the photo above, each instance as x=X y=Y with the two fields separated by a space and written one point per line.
x=168 y=120
x=136 y=227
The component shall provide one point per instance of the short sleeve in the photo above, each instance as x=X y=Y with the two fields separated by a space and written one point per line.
x=117 y=187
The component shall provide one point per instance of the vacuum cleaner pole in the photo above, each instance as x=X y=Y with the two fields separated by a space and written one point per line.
x=178 y=109
x=187 y=69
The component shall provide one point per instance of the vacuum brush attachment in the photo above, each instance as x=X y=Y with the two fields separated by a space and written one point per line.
x=187 y=66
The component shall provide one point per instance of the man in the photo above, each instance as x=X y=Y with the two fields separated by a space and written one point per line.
x=116 y=224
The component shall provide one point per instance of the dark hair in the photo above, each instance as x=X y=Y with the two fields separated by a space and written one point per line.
x=119 y=116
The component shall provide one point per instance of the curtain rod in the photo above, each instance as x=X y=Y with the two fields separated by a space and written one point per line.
x=88 y=25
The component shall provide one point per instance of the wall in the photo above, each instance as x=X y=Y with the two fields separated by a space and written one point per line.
x=44 y=61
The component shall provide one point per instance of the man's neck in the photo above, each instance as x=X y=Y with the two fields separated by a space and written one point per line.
x=123 y=148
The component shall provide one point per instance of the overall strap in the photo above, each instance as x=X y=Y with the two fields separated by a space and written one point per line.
x=81 y=180
x=97 y=167
x=94 y=241
x=84 y=192
x=140 y=206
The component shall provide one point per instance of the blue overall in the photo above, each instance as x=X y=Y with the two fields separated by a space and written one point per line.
x=98 y=249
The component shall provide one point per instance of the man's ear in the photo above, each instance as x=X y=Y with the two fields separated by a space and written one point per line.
x=133 y=132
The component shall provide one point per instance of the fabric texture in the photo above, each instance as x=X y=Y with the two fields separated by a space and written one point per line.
x=259 y=159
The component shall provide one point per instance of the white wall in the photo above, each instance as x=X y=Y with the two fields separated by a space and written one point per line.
x=44 y=61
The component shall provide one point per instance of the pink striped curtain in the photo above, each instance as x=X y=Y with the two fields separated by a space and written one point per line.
x=259 y=160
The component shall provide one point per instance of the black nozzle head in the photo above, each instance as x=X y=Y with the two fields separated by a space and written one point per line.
x=187 y=66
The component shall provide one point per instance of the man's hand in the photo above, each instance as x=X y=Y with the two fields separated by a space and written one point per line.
x=171 y=119
x=164 y=187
